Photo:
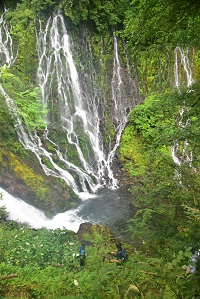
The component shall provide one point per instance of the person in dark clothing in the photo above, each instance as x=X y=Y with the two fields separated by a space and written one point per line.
x=195 y=260
x=120 y=254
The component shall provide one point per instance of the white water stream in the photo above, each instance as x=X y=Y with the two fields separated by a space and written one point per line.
x=183 y=67
x=24 y=213
x=6 y=44
x=111 y=208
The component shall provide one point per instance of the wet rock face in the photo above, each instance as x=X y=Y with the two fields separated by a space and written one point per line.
x=84 y=228
x=59 y=198
x=15 y=186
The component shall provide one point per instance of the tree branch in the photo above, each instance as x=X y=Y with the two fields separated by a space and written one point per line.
x=8 y=276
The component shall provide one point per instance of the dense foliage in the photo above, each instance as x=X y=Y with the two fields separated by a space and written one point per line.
x=162 y=23
x=164 y=188
x=47 y=266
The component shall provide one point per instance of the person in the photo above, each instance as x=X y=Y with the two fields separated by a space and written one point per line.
x=82 y=255
x=194 y=264
x=194 y=260
x=120 y=254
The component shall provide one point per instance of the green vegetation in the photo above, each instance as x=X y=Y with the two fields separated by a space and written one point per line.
x=7 y=134
x=29 y=102
x=162 y=23
x=152 y=30
x=98 y=14
x=163 y=189
x=24 y=172
x=47 y=267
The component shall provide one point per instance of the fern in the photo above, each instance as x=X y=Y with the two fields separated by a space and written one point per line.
x=192 y=213
x=168 y=293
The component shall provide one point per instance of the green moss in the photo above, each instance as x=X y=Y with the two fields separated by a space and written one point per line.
x=196 y=69
x=31 y=179
x=27 y=98
x=132 y=154
x=108 y=130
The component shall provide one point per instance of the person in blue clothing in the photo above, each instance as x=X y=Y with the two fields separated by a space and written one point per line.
x=82 y=255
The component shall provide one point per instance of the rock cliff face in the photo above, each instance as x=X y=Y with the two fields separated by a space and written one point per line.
x=15 y=186
x=52 y=195
x=58 y=197
x=87 y=228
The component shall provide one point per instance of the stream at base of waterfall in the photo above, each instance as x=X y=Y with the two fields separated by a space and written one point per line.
x=111 y=208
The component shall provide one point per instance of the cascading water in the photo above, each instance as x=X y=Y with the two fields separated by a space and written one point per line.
x=75 y=107
x=78 y=117
x=78 y=111
x=6 y=44
x=182 y=62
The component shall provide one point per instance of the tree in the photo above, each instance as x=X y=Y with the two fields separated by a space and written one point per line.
x=162 y=22
x=101 y=14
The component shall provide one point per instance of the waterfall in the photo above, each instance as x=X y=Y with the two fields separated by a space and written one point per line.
x=182 y=61
x=6 y=44
x=119 y=115
x=74 y=108
x=78 y=114
x=182 y=72
x=56 y=63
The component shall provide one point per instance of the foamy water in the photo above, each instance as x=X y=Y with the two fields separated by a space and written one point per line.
x=112 y=208
x=22 y=212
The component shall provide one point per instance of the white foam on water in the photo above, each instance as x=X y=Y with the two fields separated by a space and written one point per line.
x=22 y=212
